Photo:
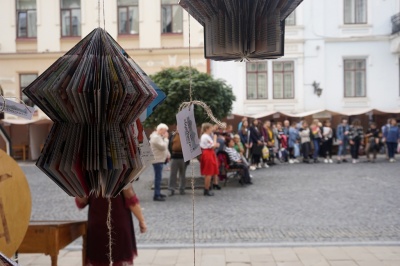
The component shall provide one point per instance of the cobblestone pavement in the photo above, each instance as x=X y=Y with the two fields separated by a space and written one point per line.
x=298 y=256
x=320 y=203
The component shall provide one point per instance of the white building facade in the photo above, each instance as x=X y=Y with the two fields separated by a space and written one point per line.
x=35 y=33
x=350 y=47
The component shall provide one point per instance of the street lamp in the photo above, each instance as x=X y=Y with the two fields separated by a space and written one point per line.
x=317 y=89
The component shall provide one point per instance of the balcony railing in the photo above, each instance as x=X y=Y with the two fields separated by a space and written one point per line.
x=396 y=23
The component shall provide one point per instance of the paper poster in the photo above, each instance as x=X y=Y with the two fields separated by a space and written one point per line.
x=188 y=133
x=145 y=151
x=18 y=109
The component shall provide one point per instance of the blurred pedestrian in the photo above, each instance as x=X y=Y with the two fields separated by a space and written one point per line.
x=305 y=140
x=391 y=137
x=124 y=248
x=256 y=139
x=208 y=162
x=342 y=133
x=372 y=145
x=327 y=141
x=316 y=138
x=356 y=136
x=294 y=138
x=159 y=145
x=178 y=165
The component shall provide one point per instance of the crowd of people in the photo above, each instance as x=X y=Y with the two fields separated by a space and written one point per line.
x=259 y=144
x=288 y=142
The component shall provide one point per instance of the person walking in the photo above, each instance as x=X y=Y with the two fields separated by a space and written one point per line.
x=356 y=135
x=305 y=141
x=391 y=137
x=178 y=165
x=342 y=133
x=372 y=145
x=159 y=145
x=124 y=248
x=208 y=161
x=327 y=141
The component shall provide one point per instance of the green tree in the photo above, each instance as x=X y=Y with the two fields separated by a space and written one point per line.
x=175 y=83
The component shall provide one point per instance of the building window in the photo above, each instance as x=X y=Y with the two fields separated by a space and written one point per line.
x=257 y=83
x=354 y=78
x=70 y=18
x=24 y=81
x=128 y=17
x=26 y=18
x=283 y=80
x=291 y=19
x=171 y=16
x=355 y=11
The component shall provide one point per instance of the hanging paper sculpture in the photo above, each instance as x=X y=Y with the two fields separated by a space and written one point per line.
x=94 y=94
x=242 y=30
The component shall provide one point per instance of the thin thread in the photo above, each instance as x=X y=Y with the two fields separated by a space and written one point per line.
x=98 y=13
x=193 y=205
x=193 y=200
x=191 y=102
x=190 y=64
x=104 y=17
x=109 y=227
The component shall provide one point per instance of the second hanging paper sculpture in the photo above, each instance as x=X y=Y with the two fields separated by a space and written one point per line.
x=94 y=94
x=242 y=29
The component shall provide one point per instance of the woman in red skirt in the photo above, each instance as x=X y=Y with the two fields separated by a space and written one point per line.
x=208 y=162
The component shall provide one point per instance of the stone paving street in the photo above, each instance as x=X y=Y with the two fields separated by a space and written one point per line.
x=299 y=256
x=287 y=205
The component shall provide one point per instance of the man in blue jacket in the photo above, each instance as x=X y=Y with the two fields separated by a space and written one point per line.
x=391 y=136
x=342 y=133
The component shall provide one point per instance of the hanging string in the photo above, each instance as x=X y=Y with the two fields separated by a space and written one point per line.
x=108 y=222
x=192 y=166
x=199 y=103
x=104 y=17
x=98 y=9
x=109 y=227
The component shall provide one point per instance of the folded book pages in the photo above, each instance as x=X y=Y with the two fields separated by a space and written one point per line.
x=242 y=30
x=95 y=94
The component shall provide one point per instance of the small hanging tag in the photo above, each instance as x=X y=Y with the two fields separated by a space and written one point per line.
x=146 y=153
x=188 y=133
x=18 y=109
